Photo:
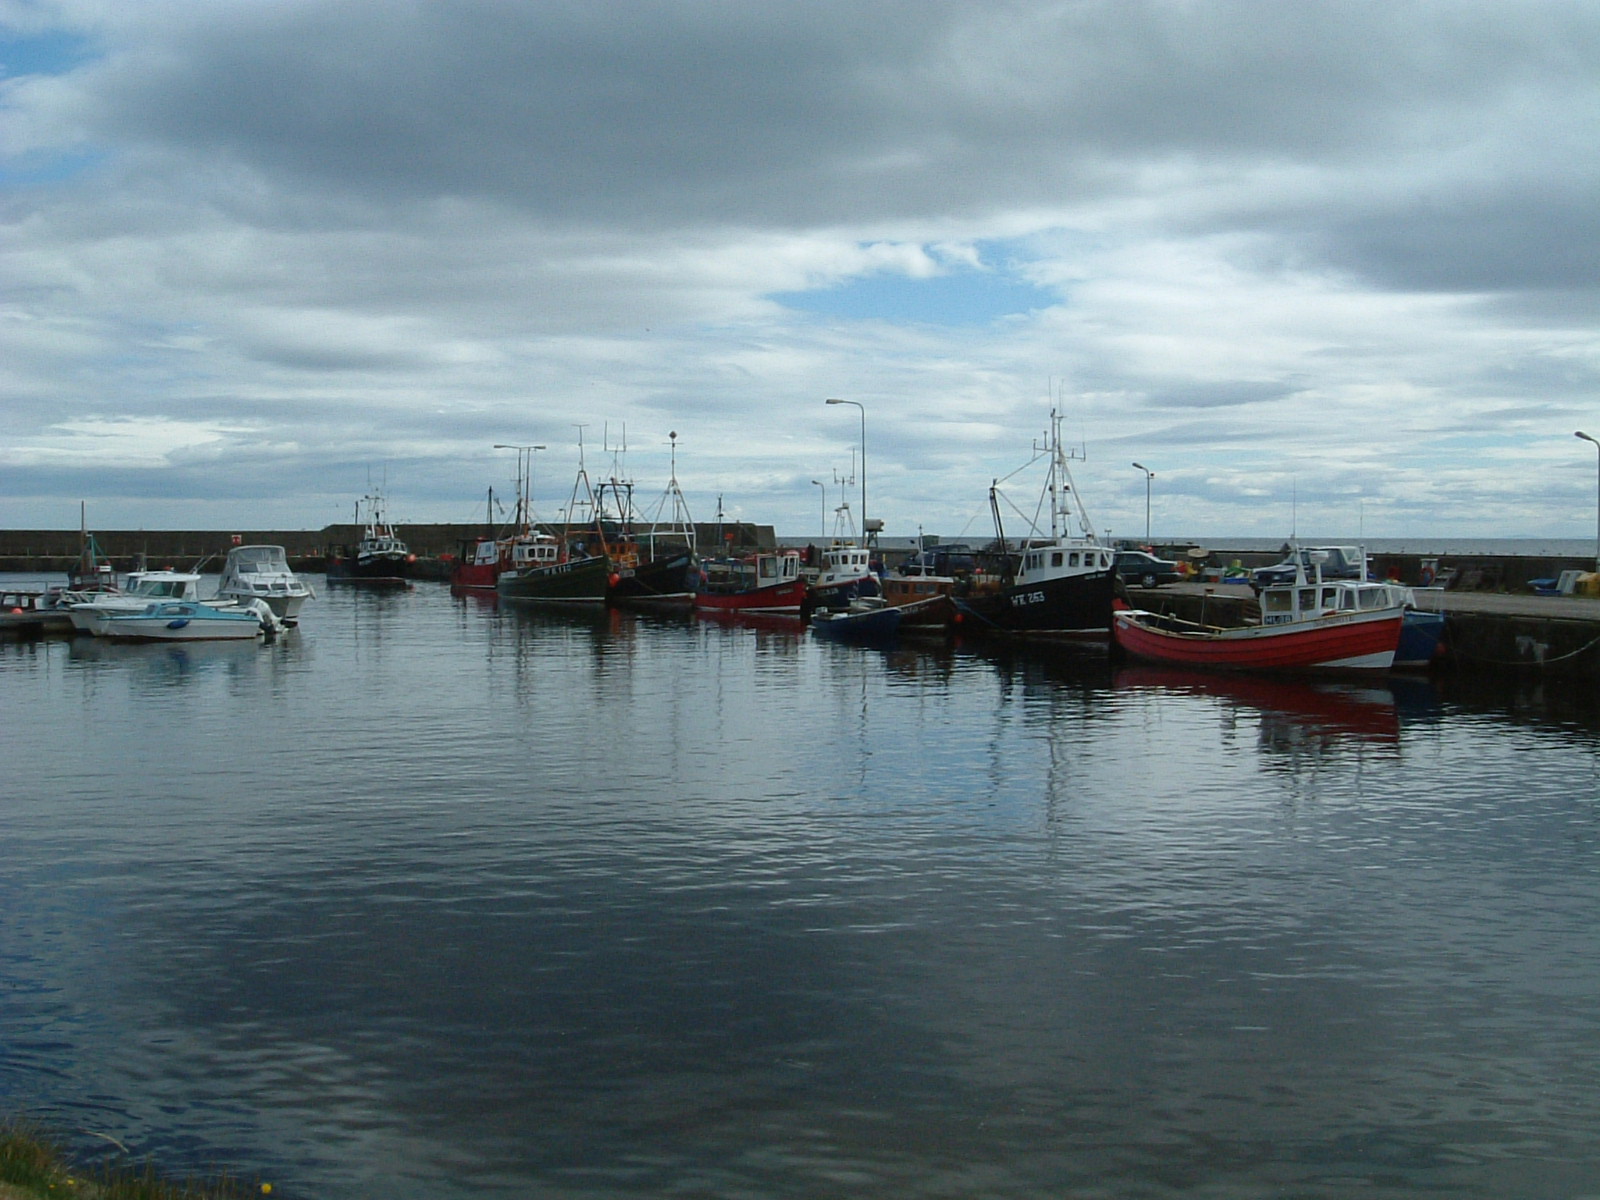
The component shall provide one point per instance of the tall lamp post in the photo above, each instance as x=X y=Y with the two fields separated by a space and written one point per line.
x=524 y=480
x=824 y=488
x=862 y=407
x=1148 y=476
x=1581 y=434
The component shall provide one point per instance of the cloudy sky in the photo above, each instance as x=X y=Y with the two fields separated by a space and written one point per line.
x=1330 y=266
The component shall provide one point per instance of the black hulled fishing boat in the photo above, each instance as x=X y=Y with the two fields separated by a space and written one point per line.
x=654 y=557
x=380 y=558
x=1049 y=583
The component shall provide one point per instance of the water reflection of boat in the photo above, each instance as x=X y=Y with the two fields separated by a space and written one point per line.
x=1364 y=710
x=771 y=622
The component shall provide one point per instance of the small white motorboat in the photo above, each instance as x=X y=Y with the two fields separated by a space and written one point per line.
x=263 y=573
x=190 y=621
x=142 y=589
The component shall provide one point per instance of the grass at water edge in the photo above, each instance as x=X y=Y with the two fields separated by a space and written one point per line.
x=34 y=1167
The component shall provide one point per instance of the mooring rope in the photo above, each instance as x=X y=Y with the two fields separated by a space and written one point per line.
x=1524 y=662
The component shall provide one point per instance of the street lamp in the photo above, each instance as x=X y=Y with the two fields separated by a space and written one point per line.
x=524 y=480
x=824 y=488
x=862 y=407
x=1581 y=434
x=1148 y=476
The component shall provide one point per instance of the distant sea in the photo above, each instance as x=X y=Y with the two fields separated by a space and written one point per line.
x=1430 y=545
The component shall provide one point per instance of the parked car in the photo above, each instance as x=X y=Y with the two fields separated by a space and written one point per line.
x=1340 y=562
x=955 y=558
x=1146 y=570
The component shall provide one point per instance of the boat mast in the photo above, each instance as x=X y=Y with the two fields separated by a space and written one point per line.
x=681 y=525
x=1061 y=486
x=581 y=484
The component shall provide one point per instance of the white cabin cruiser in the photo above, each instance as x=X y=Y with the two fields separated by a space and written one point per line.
x=263 y=573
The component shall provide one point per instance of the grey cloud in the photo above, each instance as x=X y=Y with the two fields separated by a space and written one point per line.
x=685 y=112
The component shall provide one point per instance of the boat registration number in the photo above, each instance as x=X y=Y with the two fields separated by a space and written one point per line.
x=1022 y=598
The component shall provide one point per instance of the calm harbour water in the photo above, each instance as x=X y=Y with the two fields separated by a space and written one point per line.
x=433 y=900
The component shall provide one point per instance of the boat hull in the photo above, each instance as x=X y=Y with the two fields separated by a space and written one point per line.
x=838 y=593
x=873 y=625
x=1346 y=642
x=285 y=606
x=182 y=623
x=1071 y=607
x=478 y=576
x=785 y=597
x=925 y=603
x=578 y=581
x=665 y=580
x=1421 y=637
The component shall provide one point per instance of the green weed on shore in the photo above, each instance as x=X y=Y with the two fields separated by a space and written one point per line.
x=34 y=1167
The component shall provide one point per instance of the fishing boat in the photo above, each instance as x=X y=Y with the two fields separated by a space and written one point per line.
x=190 y=621
x=380 y=558
x=1421 y=631
x=845 y=575
x=653 y=555
x=479 y=563
x=263 y=573
x=1053 y=584
x=764 y=582
x=1309 y=624
x=571 y=575
x=574 y=568
x=924 y=590
x=845 y=570
x=925 y=614
x=91 y=577
x=516 y=547
x=866 y=619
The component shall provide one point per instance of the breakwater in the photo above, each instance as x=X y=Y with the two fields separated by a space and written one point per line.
x=44 y=551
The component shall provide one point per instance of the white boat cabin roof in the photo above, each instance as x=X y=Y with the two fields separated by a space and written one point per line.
x=172 y=585
x=252 y=559
x=1307 y=600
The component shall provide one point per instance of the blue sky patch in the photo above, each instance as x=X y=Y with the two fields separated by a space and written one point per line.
x=47 y=54
x=960 y=298
x=36 y=169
